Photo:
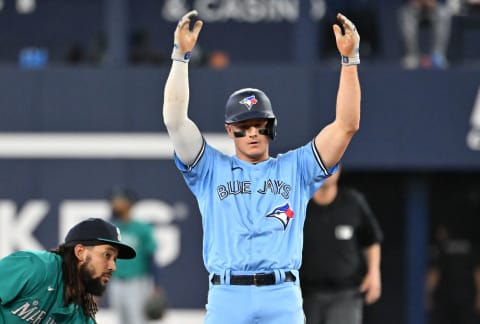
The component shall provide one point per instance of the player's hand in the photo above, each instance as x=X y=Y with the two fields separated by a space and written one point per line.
x=186 y=38
x=347 y=43
x=371 y=287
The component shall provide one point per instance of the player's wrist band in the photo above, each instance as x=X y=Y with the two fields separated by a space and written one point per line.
x=350 y=60
x=177 y=55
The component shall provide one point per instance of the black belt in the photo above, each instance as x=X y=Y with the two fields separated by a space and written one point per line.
x=257 y=279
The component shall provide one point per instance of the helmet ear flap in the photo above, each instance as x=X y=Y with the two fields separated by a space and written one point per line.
x=271 y=130
x=272 y=127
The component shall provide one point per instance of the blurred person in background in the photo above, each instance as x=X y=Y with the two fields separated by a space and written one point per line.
x=341 y=255
x=412 y=16
x=137 y=280
x=141 y=50
x=453 y=276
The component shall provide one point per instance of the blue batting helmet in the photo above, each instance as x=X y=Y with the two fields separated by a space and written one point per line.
x=250 y=103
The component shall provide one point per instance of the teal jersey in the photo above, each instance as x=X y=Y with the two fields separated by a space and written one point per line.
x=138 y=235
x=31 y=290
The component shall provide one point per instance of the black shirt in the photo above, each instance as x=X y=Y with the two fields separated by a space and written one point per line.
x=335 y=237
x=456 y=258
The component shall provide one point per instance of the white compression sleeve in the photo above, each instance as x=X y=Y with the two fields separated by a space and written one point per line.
x=185 y=135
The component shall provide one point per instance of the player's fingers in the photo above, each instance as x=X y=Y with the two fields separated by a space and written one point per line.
x=188 y=16
x=197 y=27
x=191 y=14
x=372 y=296
x=185 y=20
x=369 y=298
x=366 y=298
x=337 y=31
x=364 y=286
x=183 y=24
x=343 y=20
x=348 y=26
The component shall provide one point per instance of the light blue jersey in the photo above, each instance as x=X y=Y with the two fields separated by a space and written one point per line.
x=253 y=214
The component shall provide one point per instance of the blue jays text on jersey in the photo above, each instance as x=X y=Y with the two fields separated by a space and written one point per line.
x=276 y=187
x=253 y=214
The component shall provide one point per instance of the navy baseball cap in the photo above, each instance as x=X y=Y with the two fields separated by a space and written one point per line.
x=96 y=231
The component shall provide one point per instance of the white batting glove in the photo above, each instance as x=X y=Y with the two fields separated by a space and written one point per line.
x=185 y=39
x=348 y=44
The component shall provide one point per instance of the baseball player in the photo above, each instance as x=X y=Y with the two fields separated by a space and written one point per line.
x=253 y=205
x=58 y=286
x=132 y=283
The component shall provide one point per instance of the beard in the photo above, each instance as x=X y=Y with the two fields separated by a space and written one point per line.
x=93 y=285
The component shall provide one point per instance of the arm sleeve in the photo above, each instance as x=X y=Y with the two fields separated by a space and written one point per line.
x=184 y=134
x=313 y=170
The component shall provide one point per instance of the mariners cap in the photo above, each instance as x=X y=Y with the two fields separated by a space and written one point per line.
x=96 y=231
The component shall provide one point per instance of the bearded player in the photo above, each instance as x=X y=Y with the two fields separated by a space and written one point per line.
x=58 y=286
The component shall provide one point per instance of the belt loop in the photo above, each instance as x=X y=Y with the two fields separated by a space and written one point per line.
x=297 y=276
x=226 y=277
x=210 y=279
x=279 y=276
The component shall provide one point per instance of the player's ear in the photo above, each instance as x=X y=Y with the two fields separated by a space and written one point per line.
x=80 y=251
x=229 y=130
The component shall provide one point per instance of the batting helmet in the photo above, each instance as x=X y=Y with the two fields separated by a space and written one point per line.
x=249 y=103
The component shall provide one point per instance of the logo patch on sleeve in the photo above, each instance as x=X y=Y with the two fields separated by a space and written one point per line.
x=283 y=213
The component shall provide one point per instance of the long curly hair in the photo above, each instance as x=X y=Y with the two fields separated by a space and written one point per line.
x=75 y=291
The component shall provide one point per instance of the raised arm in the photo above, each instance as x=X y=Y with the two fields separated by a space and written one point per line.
x=185 y=135
x=332 y=141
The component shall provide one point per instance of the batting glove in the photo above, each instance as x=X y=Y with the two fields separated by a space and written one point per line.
x=348 y=43
x=186 y=38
